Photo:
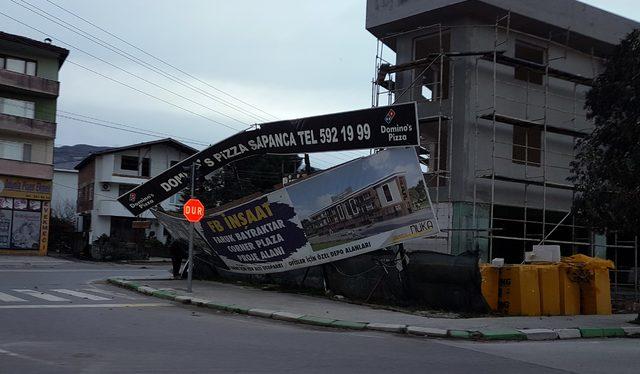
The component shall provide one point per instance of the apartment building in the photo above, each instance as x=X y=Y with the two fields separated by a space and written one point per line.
x=29 y=90
x=500 y=87
x=105 y=175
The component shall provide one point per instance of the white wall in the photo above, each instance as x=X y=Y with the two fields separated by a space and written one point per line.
x=108 y=172
x=395 y=194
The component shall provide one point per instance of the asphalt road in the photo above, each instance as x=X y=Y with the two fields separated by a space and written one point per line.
x=55 y=318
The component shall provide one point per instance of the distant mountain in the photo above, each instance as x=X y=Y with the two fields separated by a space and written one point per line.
x=68 y=156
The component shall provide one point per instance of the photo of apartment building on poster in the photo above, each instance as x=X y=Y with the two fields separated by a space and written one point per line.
x=378 y=193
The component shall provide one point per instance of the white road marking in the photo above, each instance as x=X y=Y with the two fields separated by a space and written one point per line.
x=111 y=293
x=82 y=295
x=54 y=306
x=10 y=299
x=42 y=295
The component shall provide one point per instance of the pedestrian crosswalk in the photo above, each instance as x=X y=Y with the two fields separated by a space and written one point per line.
x=59 y=295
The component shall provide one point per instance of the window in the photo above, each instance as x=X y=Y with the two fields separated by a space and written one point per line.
x=145 y=167
x=526 y=145
x=387 y=193
x=428 y=86
x=15 y=151
x=18 y=65
x=530 y=53
x=18 y=108
x=131 y=163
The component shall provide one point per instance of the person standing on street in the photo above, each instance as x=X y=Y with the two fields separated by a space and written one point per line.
x=178 y=249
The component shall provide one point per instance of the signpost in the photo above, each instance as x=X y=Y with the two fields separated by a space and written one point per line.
x=193 y=211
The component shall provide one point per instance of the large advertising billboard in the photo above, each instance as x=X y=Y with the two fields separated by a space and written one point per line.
x=360 y=206
x=381 y=127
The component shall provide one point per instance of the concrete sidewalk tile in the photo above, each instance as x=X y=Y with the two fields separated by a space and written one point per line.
x=237 y=309
x=632 y=331
x=146 y=290
x=539 y=334
x=217 y=306
x=388 y=327
x=163 y=295
x=612 y=332
x=591 y=332
x=315 y=320
x=261 y=312
x=459 y=334
x=568 y=333
x=505 y=334
x=198 y=301
x=183 y=299
x=349 y=325
x=426 y=331
x=286 y=316
x=117 y=281
x=131 y=285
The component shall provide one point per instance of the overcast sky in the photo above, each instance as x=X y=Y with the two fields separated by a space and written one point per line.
x=290 y=58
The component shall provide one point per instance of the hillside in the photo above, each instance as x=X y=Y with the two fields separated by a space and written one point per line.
x=67 y=156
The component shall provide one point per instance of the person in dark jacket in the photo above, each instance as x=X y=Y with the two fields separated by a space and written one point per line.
x=178 y=249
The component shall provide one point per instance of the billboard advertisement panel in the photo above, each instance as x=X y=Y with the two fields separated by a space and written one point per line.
x=360 y=206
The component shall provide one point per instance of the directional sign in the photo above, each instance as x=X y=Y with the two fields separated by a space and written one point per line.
x=381 y=127
x=193 y=210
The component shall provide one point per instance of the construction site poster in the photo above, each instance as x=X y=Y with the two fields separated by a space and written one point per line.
x=357 y=207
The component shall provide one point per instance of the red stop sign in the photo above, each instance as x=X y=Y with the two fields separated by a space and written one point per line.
x=193 y=210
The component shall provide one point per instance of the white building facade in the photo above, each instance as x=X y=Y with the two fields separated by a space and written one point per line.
x=104 y=176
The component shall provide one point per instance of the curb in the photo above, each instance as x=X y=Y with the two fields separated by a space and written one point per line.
x=418 y=331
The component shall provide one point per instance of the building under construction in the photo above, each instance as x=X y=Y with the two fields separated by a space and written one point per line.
x=500 y=87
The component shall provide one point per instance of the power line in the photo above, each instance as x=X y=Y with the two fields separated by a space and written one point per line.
x=145 y=93
x=152 y=96
x=159 y=59
x=131 y=87
x=130 y=57
x=137 y=48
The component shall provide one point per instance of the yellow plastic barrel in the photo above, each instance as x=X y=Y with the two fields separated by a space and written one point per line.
x=549 y=283
x=519 y=292
x=569 y=293
x=595 y=295
x=592 y=274
x=490 y=279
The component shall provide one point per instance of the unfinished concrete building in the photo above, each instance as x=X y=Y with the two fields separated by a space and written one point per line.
x=500 y=87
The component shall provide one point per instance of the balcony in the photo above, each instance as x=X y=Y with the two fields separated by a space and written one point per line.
x=27 y=126
x=26 y=169
x=28 y=84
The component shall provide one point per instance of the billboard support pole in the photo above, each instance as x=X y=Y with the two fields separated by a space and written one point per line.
x=190 y=261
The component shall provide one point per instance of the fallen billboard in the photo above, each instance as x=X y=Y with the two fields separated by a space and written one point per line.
x=354 y=208
x=381 y=127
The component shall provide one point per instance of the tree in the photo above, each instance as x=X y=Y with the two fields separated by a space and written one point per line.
x=258 y=174
x=606 y=171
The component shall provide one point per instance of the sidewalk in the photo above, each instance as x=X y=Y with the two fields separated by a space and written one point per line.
x=326 y=312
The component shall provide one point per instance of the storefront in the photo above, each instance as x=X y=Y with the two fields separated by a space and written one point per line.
x=25 y=208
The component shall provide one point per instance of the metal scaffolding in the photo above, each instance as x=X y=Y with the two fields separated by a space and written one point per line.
x=539 y=225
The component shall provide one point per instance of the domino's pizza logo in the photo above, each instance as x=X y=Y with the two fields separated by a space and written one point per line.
x=132 y=197
x=389 y=117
